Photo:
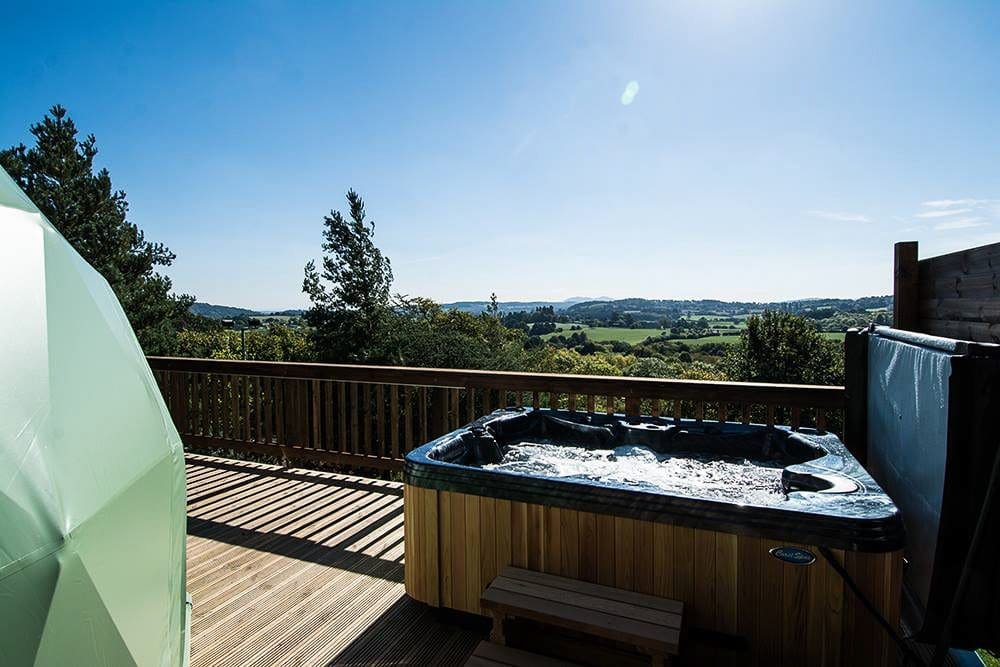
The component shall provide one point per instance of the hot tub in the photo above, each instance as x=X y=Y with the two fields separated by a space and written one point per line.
x=738 y=522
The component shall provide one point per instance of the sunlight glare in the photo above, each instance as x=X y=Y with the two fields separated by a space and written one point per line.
x=630 y=92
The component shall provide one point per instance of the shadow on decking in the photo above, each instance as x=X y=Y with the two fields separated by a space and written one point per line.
x=305 y=549
x=247 y=468
x=300 y=516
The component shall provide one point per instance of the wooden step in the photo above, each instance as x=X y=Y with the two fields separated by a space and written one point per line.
x=650 y=623
x=488 y=654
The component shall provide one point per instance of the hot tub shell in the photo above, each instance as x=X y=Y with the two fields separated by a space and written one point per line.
x=464 y=523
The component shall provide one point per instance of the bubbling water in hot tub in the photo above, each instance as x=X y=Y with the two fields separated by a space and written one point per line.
x=745 y=465
x=709 y=476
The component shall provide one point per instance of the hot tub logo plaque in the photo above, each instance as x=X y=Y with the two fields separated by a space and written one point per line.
x=794 y=555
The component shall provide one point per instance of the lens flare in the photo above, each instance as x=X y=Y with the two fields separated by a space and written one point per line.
x=631 y=90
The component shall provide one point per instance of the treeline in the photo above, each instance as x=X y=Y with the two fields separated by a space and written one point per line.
x=829 y=314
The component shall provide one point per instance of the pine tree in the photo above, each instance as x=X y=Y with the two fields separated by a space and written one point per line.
x=493 y=307
x=351 y=295
x=57 y=173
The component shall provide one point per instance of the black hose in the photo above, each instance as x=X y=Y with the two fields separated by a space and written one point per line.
x=872 y=609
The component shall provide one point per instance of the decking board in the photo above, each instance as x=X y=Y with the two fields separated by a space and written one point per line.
x=298 y=567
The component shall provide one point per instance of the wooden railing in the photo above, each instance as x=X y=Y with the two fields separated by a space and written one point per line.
x=370 y=416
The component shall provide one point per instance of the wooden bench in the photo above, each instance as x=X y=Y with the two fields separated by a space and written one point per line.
x=649 y=623
x=495 y=655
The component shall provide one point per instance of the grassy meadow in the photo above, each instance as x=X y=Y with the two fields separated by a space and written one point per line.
x=633 y=336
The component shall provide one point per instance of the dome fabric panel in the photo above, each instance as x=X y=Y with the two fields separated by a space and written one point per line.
x=92 y=492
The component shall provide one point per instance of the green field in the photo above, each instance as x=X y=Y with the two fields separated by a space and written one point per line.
x=633 y=336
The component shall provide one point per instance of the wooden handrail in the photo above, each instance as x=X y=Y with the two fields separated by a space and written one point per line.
x=802 y=395
x=370 y=416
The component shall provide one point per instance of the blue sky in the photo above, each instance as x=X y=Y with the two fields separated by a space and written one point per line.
x=768 y=150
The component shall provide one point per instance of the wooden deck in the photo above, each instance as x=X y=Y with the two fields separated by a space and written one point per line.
x=298 y=567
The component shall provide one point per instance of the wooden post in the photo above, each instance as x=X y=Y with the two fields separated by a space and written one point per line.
x=905 y=289
x=496 y=632
x=856 y=393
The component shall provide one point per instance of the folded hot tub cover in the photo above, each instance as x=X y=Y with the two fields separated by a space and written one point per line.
x=92 y=497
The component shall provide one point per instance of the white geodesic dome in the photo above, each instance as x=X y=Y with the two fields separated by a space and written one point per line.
x=92 y=499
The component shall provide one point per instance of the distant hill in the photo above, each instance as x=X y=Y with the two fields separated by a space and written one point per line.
x=218 y=312
x=215 y=312
x=601 y=308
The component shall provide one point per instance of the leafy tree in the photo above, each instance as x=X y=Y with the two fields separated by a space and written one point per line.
x=650 y=367
x=573 y=363
x=350 y=295
x=58 y=174
x=659 y=368
x=781 y=347
x=275 y=342
x=542 y=328
x=424 y=334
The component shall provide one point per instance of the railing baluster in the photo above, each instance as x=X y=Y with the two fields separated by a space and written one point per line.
x=205 y=411
x=328 y=393
x=366 y=422
x=394 y=420
x=571 y=402
x=279 y=412
x=591 y=404
x=180 y=400
x=247 y=423
x=268 y=405
x=234 y=411
x=631 y=407
x=380 y=447
x=355 y=420
x=303 y=409
x=217 y=399
x=422 y=407
x=253 y=395
x=408 y=417
x=316 y=416
x=454 y=406
x=342 y=418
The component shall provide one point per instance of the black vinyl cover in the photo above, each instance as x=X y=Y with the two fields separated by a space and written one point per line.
x=967 y=450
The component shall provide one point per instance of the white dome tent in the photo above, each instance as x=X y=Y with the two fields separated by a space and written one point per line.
x=92 y=498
